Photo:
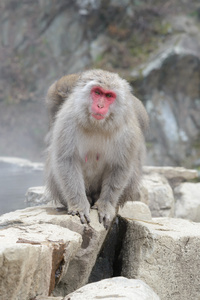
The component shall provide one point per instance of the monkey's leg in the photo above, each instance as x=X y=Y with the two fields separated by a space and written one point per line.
x=131 y=191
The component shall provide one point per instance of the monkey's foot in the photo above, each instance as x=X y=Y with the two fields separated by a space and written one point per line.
x=106 y=212
x=83 y=215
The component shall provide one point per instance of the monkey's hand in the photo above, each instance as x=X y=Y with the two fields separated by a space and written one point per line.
x=106 y=212
x=82 y=211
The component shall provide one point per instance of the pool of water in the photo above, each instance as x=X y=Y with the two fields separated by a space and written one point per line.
x=15 y=179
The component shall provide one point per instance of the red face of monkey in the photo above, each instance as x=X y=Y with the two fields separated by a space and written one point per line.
x=101 y=100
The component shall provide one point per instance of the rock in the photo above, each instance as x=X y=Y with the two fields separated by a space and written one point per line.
x=158 y=195
x=35 y=196
x=181 y=23
x=168 y=82
x=114 y=288
x=108 y=264
x=187 y=205
x=38 y=229
x=172 y=173
x=164 y=253
x=48 y=298
x=98 y=47
x=30 y=256
x=135 y=210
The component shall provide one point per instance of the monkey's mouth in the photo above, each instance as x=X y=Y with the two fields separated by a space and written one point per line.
x=98 y=116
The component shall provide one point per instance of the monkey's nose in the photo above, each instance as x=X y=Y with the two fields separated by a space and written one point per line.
x=100 y=105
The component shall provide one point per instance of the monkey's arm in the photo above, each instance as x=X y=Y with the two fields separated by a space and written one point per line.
x=71 y=185
x=66 y=165
x=114 y=182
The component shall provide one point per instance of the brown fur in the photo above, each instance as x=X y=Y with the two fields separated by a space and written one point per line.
x=59 y=91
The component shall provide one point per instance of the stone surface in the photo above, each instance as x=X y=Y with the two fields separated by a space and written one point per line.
x=98 y=47
x=135 y=211
x=172 y=100
x=187 y=205
x=48 y=298
x=114 y=288
x=158 y=195
x=35 y=196
x=76 y=266
x=31 y=255
x=172 y=173
x=164 y=253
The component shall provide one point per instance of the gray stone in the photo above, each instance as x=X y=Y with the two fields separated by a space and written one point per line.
x=164 y=253
x=135 y=210
x=120 y=3
x=48 y=298
x=172 y=99
x=98 y=47
x=181 y=24
x=31 y=255
x=76 y=268
x=172 y=173
x=187 y=205
x=114 y=288
x=158 y=195
x=35 y=196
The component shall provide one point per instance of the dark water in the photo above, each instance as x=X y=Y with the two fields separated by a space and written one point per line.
x=14 y=182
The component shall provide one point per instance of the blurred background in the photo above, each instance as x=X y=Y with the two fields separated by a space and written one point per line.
x=153 y=44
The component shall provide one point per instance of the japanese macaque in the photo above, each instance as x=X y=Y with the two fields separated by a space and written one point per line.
x=96 y=143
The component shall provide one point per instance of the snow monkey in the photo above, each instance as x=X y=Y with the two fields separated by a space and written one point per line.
x=96 y=143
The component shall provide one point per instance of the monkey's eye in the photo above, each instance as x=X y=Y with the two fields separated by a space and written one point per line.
x=97 y=92
x=108 y=95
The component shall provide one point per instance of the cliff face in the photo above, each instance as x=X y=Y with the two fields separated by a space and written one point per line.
x=155 y=46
